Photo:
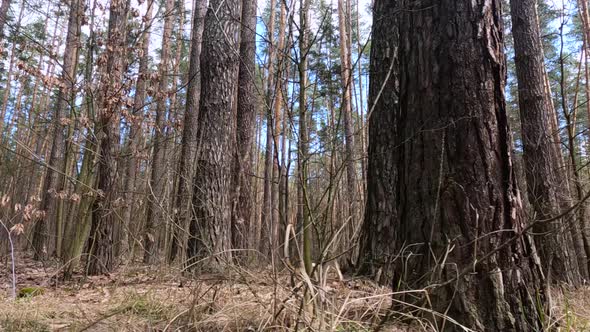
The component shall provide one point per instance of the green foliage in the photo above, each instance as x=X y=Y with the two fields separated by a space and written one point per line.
x=27 y=292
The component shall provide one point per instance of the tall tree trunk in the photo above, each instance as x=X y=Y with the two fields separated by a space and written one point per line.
x=303 y=148
x=54 y=181
x=546 y=181
x=101 y=244
x=212 y=183
x=77 y=233
x=155 y=203
x=266 y=235
x=278 y=168
x=246 y=117
x=135 y=132
x=188 y=145
x=457 y=220
x=377 y=251
x=346 y=109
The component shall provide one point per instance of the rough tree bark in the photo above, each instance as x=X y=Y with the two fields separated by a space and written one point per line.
x=188 y=145
x=243 y=199
x=458 y=215
x=546 y=181
x=377 y=251
x=212 y=183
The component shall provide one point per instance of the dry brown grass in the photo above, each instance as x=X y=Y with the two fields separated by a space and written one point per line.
x=137 y=298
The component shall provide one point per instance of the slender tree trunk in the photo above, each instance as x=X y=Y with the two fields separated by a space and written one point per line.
x=54 y=181
x=546 y=181
x=246 y=117
x=135 y=133
x=189 y=142
x=278 y=168
x=266 y=235
x=101 y=244
x=155 y=204
x=212 y=183
x=77 y=233
x=303 y=149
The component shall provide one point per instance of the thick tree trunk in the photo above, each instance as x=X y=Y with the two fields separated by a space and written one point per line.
x=212 y=183
x=546 y=181
x=377 y=250
x=243 y=201
x=188 y=145
x=157 y=183
x=457 y=218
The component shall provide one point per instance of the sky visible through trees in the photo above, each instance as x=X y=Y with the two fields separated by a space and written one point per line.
x=325 y=165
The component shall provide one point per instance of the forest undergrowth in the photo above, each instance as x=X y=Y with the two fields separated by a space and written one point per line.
x=138 y=297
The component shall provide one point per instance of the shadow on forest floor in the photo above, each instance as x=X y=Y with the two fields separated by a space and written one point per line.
x=140 y=298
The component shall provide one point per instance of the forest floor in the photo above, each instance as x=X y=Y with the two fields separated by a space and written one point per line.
x=140 y=298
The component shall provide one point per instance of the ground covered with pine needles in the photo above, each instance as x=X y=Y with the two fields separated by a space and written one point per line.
x=141 y=298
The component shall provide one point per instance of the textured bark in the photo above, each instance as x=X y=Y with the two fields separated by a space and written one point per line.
x=546 y=181
x=212 y=183
x=54 y=182
x=457 y=201
x=246 y=117
x=101 y=244
x=377 y=251
x=155 y=204
x=188 y=145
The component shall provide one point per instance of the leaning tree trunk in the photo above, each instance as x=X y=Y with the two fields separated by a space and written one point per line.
x=458 y=215
x=242 y=168
x=546 y=181
x=188 y=142
x=212 y=183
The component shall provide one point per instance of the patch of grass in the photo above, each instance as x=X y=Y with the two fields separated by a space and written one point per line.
x=9 y=324
x=144 y=306
x=30 y=292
